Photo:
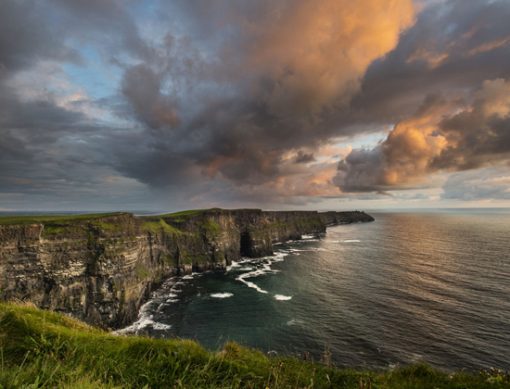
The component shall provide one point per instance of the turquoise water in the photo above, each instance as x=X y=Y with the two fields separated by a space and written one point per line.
x=409 y=287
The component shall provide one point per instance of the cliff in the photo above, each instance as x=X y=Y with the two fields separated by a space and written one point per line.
x=101 y=268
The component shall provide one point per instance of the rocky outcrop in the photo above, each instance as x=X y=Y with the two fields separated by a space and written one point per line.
x=101 y=268
x=335 y=218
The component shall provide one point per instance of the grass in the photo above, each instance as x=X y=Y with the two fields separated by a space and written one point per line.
x=184 y=214
x=156 y=225
x=41 y=349
x=211 y=228
x=33 y=219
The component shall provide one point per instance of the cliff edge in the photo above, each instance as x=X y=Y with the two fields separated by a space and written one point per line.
x=101 y=268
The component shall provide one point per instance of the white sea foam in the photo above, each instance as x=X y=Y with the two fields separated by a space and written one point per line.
x=261 y=267
x=293 y=322
x=233 y=265
x=311 y=249
x=303 y=240
x=281 y=297
x=352 y=241
x=161 y=326
x=145 y=320
x=221 y=295
x=188 y=277
x=237 y=264
x=252 y=285
x=279 y=256
x=308 y=237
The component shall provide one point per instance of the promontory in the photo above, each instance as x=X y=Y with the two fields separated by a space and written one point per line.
x=100 y=268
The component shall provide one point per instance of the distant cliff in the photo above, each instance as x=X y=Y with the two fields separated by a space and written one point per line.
x=101 y=268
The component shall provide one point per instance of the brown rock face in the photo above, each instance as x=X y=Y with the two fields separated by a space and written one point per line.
x=102 y=269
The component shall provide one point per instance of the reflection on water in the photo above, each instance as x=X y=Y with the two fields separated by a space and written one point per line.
x=406 y=288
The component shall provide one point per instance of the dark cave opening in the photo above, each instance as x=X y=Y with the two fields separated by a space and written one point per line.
x=246 y=244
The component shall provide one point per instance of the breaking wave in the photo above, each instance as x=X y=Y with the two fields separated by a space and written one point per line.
x=223 y=295
x=262 y=266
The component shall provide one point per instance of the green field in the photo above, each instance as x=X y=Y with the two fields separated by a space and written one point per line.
x=69 y=218
x=41 y=349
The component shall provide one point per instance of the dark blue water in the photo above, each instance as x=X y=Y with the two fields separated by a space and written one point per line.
x=406 y=288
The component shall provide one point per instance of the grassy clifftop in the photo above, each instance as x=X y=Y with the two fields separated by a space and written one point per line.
x=65 y=218
x=46 y=349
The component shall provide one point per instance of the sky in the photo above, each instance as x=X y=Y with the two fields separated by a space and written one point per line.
x=278 y=104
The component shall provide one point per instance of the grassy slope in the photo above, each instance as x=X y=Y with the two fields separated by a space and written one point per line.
x=32 y=219
x=45 y=349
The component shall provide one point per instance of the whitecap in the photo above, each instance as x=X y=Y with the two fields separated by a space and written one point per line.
x=161 y=326
x=262 y=267
x=281 y=297
x=223 y=295
x=293 y=322
x=252 y=285
x=232 y=265
x=352 y=241
x=145 y=320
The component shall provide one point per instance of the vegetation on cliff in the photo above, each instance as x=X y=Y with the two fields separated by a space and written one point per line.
x=64 y=219
x=46 y=349
x=100 y=268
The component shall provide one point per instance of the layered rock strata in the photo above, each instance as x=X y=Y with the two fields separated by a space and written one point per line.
x=101 y=268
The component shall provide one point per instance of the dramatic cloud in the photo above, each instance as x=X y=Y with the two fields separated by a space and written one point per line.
x=285 y=70
x=454 y=45
x=142 y=88
x=249 y=103
x=433 y=140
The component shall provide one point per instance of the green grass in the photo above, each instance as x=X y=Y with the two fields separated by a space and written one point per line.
x=41 y=349
x=185 y=214
x=156 y=225
x=211 y=228
x=33 y=219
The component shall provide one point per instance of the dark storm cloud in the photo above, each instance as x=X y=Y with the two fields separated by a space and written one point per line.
x=481 y=134
x=104 y=23
x=275 y=101
x=471 y=51
x=453 y=46
x=268 y=87
x=433 y=140
x=46 y=149
x=25 y=37
x=37 y=148
x=240 y=96
x=142 y=88
x=303 y=157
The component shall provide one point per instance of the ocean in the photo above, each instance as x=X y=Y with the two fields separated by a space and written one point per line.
x=410 y=287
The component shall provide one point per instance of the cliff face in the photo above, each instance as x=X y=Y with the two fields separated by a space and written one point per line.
x=101 y=268
x=98 y=270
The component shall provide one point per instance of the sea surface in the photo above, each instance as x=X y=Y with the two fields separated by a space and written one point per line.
x=409 y=287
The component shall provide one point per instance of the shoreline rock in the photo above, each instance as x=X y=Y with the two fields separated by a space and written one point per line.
x=103 y=268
